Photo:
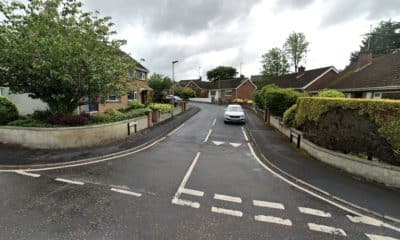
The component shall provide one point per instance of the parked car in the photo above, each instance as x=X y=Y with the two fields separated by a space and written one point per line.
x=177 y=99
x=234 y=113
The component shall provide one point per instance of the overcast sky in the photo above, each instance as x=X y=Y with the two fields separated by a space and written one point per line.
x=203 y=34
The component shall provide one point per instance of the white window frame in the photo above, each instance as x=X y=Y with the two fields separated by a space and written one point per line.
x=230 y=92
x=134 y=96
x=117 y=98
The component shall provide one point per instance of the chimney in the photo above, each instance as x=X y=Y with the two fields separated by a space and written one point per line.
x=301 y=70
x=242 y=76
x=364 y=58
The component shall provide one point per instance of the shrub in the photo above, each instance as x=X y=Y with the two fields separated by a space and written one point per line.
x=8 y=111
x=29 y=123
x=238 y=100
x=70 y=120
x=250 y=102
x=135 y=104
x=185 y=93
x=330 y=93
x=161 y=107
x=276 y=99
x=115 y=117
x=384 y=114
x=289 y=115
x=43 y=116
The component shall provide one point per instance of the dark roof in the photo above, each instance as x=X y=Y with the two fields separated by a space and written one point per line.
x=185 y=82
x=139 y=66
x=298 y=80
x=383 y=74
x=223 y=84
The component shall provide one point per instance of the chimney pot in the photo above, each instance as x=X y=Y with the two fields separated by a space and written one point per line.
x=301 y=69
x=364 y=58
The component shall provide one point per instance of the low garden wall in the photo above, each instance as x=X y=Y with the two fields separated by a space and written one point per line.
x=370 y=170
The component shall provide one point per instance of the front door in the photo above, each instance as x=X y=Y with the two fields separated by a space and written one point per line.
x=93 y=104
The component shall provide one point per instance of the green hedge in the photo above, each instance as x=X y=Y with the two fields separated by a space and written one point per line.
x=330 y=93
x=289 y=116
x=8 y=111
x=276 y=99
x=161 y=107
x=115 y=116
x=384 y=113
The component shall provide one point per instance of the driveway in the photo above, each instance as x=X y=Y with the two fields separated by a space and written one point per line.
x=202 y=182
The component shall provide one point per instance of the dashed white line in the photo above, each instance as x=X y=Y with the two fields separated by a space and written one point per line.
x=69 y=181
x=271 y=219
x=126 y=192
x=314 y=212
x=227 y=198
x=266 y=204
x=176 y=129
x=208 y=135
x=379 y=237
x=225 y=211
x=235 y=145
x=192 y=192
x=28 y=174
x=214 y=122
x=365 y=220
x=186 y=203
x=245 y=135
x=326 y=229
x=218 y=143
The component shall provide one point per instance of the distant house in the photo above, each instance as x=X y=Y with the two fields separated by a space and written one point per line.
x=222 y=90
x=370 y=77
x=138 y=90
x=304 y=80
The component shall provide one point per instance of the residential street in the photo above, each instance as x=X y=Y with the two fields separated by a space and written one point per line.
x=203 y=181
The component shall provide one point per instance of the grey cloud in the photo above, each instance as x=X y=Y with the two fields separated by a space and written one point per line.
x=290 y=4
x=340 y=11
x=177 y=16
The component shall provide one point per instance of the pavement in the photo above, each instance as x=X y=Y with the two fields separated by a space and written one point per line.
x=16 y=156
x=377 y=198
x=203 y=181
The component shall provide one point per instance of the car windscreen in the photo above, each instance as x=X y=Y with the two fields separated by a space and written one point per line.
x=234 y=109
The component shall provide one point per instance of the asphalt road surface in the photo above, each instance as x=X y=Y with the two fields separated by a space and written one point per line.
x=202 y=182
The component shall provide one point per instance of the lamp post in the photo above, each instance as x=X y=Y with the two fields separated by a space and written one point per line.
x=173 y=85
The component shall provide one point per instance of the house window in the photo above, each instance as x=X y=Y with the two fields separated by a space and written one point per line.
x=132 y=96
x=131 y=73
x=112 y=97
x=378 y=95
x=140 y=75
x=228 y=93
x=2 y=91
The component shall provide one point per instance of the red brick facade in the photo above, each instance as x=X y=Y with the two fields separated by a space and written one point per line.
x=244 y=91
x=322 y=82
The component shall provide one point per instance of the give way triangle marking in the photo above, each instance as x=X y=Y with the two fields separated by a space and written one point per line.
x=218 y=143
x=235 y=144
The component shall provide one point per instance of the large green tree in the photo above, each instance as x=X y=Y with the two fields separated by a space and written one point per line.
x=296 y=47
x=383 y=39
x=274 y=63
x=159 y=84
x=58 y=53
x=221 y=73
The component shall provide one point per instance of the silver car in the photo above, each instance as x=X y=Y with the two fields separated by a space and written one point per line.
x=234 y=113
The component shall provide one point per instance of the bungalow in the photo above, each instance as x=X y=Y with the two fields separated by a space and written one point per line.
x=370 y=77
x=138 y=90
x=223 y=90
x=304 y=81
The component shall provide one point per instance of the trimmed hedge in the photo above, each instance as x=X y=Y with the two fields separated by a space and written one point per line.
x=276 y=99
x=8 y=111
x=161 y=107
x=289 y=116
x=115 y=116
x=384 y=113
x=330 y=93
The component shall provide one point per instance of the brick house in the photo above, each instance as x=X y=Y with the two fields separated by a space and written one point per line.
x=138 y=90
x=370 y=77
x=222 y=90
x=303 y=81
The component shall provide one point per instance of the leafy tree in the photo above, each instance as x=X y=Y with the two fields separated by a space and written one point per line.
x=58 y=53
x=384 y=39
x=296 y=47
x=159 y=84
x=221 y=73
x=185 y=93
x=274 y=63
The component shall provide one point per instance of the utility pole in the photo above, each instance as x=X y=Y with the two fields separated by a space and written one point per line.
x=173 y=86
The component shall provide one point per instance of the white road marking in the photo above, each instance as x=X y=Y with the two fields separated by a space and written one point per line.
x=326 y=229
x=344 y=208
x=192 y=192
x=227 y=198
x=186 y=203
x=28 y=174
x=314 y=212
x=218 y=143
x=126 y=192
x=365 y=220
x=214 y=122
x=176 y=129
x=235 y=144
x=265 y=204
x=208 y=135
x=227 y=211
x=69 y=181
x=175 y=199
x=271 y=219
x=245 y=135
x=379 y=237
x=91 y=162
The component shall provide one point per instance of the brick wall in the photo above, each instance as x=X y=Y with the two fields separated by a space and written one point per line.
x=122 y=103
x=245 y=91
